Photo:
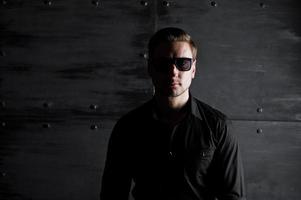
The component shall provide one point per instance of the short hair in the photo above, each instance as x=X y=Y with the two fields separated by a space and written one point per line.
x=168 y=35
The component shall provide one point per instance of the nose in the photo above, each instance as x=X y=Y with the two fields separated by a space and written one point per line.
x=173 y=70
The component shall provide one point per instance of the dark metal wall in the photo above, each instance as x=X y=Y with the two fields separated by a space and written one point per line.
x=70 y=69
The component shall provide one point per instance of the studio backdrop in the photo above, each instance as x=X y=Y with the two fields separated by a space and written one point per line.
x=70 y=68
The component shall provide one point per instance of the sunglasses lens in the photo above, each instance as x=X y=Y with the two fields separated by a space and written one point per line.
x=183 y=64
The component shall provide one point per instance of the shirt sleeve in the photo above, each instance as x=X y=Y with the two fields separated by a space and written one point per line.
x=116 y=179
x=229 y=183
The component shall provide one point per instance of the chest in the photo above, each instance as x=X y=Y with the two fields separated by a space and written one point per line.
x=187 y=144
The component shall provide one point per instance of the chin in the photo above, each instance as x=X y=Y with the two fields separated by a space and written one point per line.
x=169 y=92
x=175 y=93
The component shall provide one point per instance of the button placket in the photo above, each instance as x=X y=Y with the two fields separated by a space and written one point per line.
x=171 y=153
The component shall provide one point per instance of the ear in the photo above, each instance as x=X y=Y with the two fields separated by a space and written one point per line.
x=193 y=69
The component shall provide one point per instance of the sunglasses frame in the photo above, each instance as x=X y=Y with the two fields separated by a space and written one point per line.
x=170 y=61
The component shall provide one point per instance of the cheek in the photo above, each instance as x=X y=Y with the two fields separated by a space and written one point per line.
x=187 y=77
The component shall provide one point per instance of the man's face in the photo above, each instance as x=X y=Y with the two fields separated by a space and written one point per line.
x=168 y=80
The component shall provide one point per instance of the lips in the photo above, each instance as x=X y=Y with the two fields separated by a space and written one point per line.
x=174 y=84
x=174 y=81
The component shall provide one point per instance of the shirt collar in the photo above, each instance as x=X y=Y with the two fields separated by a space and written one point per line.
x=194 y=108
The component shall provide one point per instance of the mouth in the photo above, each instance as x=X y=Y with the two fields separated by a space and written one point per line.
x=174 y=84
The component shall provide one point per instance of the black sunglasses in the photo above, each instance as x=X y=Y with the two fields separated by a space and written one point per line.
x=163 y=64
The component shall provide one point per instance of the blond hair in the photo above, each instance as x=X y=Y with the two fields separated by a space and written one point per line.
x=168 y=35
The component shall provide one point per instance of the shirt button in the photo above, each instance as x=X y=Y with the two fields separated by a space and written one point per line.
x=171 y=155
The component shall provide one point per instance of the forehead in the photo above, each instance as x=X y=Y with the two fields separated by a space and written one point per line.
x=173 y=49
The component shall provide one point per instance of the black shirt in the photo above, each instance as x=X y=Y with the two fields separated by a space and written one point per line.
x=196 y=159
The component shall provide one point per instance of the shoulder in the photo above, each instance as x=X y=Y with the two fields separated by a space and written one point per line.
x=126 y=126
x=136 y=115
x=209 y=113
x=217 y=121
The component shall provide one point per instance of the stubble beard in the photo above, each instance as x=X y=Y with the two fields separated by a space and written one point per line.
x=178 y=93
x=173 y=93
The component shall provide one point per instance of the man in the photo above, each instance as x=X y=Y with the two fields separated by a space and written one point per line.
x=173 y=147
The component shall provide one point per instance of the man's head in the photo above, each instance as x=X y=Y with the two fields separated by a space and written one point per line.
x=172 y=60
x=169 y=35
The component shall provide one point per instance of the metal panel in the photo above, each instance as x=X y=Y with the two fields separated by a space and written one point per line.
x=61 y=162
x=71 y=50
x=68 y=68
x=271 y=156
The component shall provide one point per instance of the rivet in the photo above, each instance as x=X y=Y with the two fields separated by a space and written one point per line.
x=259 y=130
x=48 y=2
x=94 y=127
x=263 y=5
x=213 y=3
x=93 y=106
x=3 y=124
x=96 y=3
x=144 y=3
x=47 y=104
x=166 y=3
x=144 y=55
x=46 y=125
x=259 y=110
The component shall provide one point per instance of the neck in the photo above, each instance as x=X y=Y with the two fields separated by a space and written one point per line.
x=172 y=103
x=171 y=110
